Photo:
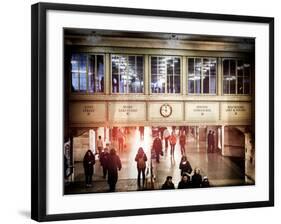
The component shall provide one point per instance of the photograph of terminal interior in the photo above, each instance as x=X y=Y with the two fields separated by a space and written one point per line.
x=153 y=111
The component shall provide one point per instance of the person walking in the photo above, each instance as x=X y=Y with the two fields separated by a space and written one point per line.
x=141 y=130
x=104 y=160
x=99 y=145
x=196 y=179
x=213 y=142
x=168 y=184
x=185 y=182
x=141 y=159
x=114 y=164
x=120 y=137
x=173 y=141
x=182 y=142
x=88 y=164
x=185 y=166
x=166 y=136
x=209 y=142
x=157 y=147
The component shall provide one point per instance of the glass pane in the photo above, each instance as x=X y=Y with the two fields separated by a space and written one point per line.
x=190 y=86
x=91 y=74
x=115 y=73
x=246 y=85
x=232 y=86
x=240 y=85
x=206 y=81
x=99 y=79
x=123 y=79
x=197 y=78
x=206 y=75
x=83 y=73
x=225 y=67
x=247 y=70
x=140 y=73
x=135 y=74
x=213 y=75
x=74 y=73
x=158 y=75
x=177 y=72
x=232 y=68
x=213 y=66
x=170 y=75
x=191 y=75
x=226 y=86
x=212 y=87
x=177 y=86
x=240 y=68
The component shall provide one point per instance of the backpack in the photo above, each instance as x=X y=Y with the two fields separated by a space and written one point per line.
x=141 y=163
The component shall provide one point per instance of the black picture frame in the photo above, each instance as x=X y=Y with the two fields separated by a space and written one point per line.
x=38 y=108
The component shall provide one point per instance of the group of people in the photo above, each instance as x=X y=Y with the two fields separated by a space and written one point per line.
x=196 y=181
x=110 y=163
x=188 y=180
x=169 y=139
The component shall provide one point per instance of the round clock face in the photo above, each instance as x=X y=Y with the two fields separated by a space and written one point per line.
x=166 y=110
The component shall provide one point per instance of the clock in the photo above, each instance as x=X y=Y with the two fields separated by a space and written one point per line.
x=165 y=110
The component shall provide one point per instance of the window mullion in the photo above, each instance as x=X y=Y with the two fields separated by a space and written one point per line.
x=95 y=76
x=243 y=78
x=173 y=75
x=229 y=76
x=236 y=80
x=201 y=78
x=127 y=73
x=166 y=77
x=118 y=87
x=78 y=66
x=194 y=81
x=135 y=71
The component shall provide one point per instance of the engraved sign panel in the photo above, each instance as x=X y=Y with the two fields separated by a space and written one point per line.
x=165 y=111
x=205 y=111
x=232 y=111
x=127 y=111
x=87 y=112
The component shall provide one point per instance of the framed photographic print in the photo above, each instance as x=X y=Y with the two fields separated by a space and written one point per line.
x=140 y=111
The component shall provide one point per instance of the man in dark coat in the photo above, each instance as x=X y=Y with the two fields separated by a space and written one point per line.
x=88 y=163
x=157 y=146
x=114 y=164
x=104 y=160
